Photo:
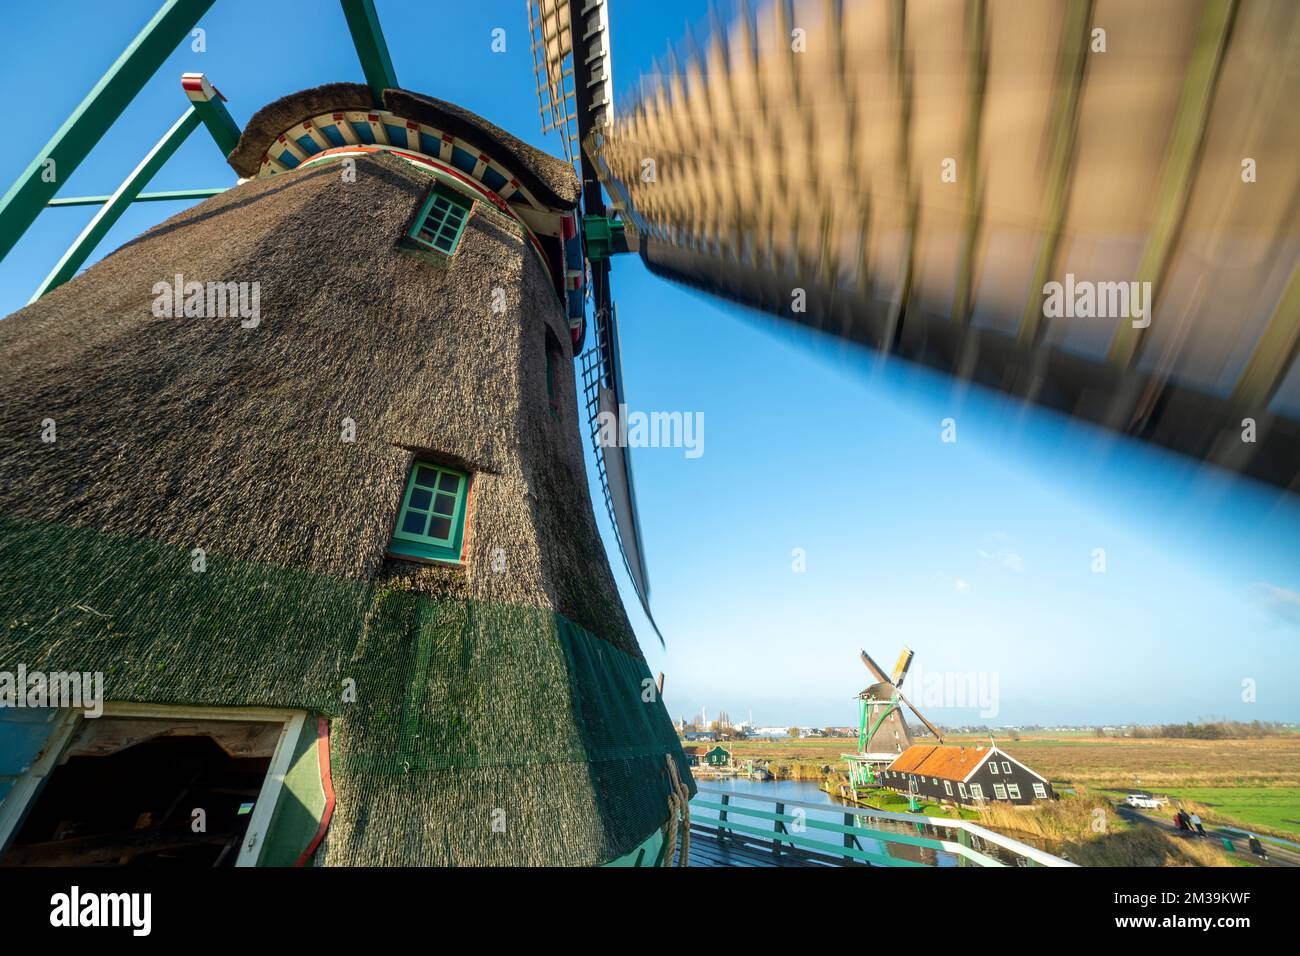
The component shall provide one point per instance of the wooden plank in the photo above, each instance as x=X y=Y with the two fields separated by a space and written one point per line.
x=1071 y=62
x=1274 y=353
x=1182 y=159
x=99 y=738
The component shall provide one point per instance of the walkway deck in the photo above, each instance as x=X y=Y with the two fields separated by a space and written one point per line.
x=727 y=830
x=710 y=847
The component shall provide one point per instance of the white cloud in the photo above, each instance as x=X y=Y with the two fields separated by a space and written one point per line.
x=1285 y=602
x=1006 y=558
x=997 y=548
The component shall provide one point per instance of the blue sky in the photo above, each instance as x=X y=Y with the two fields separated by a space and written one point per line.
x=978 y=554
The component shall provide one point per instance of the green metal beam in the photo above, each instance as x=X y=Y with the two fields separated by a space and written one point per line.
x=97 y=112
x=368 y=38
x=168 y=196
x=220 y=124
x=207 y=99
x=117 y=204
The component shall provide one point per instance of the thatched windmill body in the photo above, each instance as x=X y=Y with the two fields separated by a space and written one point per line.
x=312 y=450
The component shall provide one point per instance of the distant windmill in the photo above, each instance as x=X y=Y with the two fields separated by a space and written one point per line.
x=883 y=728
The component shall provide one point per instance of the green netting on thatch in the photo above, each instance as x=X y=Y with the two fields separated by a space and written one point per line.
x=479 y=733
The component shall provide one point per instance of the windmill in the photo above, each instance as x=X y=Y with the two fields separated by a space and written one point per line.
x=797 y=150
x=882 y=722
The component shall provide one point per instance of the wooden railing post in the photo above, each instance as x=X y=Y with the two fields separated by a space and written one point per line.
x=963 y=837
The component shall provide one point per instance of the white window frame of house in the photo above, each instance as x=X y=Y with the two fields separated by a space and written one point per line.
x=1013 y=791
x=13 y=808
x=947 y=788
x=1006 y=767
x=993 y=766
x=934 y=781
x=1040 y=791
x=999 y=791
x=976 y=791
x=961 y=788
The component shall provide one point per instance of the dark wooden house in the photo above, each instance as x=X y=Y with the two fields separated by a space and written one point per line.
x=964 y=775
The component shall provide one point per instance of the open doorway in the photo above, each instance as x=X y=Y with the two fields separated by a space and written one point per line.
x=153 y=790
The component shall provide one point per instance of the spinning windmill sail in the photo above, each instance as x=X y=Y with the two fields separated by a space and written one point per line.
x=1064 y=201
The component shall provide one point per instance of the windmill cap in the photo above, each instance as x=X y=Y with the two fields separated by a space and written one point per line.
x=552 y=181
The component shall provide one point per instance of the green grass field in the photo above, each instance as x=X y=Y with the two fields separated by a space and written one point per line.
x=1274 y=808
x=898 y=803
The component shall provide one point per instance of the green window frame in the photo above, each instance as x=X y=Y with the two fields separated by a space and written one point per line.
x=441 y=220
x=431 y=521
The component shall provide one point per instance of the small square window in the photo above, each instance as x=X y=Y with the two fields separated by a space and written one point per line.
x=441 y=220
x=999 y=791
x=947 y=788
x=431 y=523
x=961 y=788
x=1040 y=791
x=976 y=791
x=1013 y=790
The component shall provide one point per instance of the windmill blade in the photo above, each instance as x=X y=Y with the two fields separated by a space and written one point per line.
x=874 y=668
x=930 y=180
x=575 y=93
x=603 y=389
x=575 y=97
x=900 y=669
x=931 y=727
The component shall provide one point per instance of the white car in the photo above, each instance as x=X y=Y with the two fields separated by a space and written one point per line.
x=1143 y=801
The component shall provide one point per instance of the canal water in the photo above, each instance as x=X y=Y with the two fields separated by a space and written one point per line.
x=809 y=792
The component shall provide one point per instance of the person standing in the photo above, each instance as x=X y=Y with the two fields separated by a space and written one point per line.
x=1196 y=822
x=1257 y=848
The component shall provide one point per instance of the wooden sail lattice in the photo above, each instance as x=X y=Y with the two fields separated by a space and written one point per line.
x=918 y=172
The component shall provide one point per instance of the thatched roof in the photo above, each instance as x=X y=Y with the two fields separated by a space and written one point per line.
x=551 y=180
x=479 y=686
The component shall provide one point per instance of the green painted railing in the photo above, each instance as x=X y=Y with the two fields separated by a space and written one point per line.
x=844 y=842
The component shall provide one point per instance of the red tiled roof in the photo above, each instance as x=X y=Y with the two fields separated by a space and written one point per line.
x=946 y=763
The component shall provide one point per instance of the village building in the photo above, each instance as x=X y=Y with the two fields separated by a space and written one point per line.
x=705 y=757
x=718 y=757
x=964 y=775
